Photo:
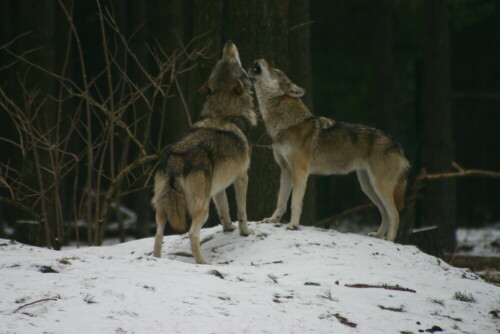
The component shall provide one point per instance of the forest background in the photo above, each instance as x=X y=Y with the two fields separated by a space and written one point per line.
x=92 y=91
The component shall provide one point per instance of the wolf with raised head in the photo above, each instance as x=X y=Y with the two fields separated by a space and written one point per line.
x=214 y=154
x=305 y=144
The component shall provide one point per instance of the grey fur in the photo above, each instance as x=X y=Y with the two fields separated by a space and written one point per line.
x=214 y=154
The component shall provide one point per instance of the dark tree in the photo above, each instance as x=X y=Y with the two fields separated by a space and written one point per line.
x=385 y=112
x=301 y=73
x=437 y=151
x=260 y=29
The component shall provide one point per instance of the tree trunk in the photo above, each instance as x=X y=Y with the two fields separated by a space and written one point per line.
x=207 y=21
x=300 y=72
x=437 y=152
x=384 y=108
x=172 y=29
x=260 y=29
x=138 y=16
x=37 y=17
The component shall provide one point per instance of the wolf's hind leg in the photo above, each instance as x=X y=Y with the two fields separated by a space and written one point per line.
x=160 y=227
x=369 y=190
x=385 y=190
x=240 y=189
x=220 y=201
x=200 y=215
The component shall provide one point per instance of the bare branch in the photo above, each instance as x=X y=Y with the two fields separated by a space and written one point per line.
x=461 y=173
x=383 y=286
x=343 y=214
x=36 y=302
x=301 y=25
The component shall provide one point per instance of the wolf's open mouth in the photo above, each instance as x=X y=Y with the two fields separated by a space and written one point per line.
x=256 y=68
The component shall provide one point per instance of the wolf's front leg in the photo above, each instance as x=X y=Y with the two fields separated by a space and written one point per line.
x=300 y=176
x=220 y=201
x=283 y=195
x=240 y=189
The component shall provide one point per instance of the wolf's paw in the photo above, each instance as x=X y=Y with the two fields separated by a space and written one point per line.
x=377 y=235
x=203 y=261
x=292 y=226
x=228 y=228
x=271 y=220
x=247 y=232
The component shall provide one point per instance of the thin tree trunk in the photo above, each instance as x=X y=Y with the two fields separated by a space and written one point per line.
x=38 y=16
x=260 y=29
x=383 y=83
x=437 y=152
x=301 y=73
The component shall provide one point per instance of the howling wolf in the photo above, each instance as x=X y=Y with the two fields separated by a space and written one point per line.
x=305 y=144
x=214 y=154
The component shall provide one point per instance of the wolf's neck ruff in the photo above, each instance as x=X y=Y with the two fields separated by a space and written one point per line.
x=281 y=112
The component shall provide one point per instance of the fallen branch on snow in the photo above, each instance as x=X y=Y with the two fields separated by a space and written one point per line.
x=37 y=301
x=341 y=319
x=383 y=286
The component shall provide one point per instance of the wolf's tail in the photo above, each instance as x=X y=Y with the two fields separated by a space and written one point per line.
x=171 y=200
x=400 y=191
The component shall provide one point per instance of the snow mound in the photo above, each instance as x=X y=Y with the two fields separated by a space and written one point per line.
x=275 y=281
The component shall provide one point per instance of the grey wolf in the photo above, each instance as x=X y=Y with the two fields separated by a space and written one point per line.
x=214 y=154
x=305 y=144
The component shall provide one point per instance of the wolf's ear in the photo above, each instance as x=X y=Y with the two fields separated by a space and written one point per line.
x=205 y=89
x=238 y=87
x=295 y=91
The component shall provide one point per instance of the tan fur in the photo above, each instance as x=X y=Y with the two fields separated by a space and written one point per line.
x=304 y=144
x=212 y=156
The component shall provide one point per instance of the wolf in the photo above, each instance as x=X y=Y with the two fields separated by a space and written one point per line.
x=305 y=144
x=214 y=154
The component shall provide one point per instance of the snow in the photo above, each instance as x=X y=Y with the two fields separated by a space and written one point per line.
x=479 y=241
x=275 y=281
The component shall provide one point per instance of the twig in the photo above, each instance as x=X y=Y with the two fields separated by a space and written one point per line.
x=300 y=25
x=384 y=286
x=348 y=212
x=37 y=301
x=186 y=108
x=461 y=173
x=341 y=319
x=392 y=309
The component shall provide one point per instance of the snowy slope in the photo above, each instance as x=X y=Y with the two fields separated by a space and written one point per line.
x=275 y=281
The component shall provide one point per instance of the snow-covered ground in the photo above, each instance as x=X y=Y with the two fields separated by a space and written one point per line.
x=479 y=241
x=275 y=281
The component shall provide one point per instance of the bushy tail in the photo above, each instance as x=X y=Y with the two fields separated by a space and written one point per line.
x=176 y=209
x=400 y=191
x=171 y=200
